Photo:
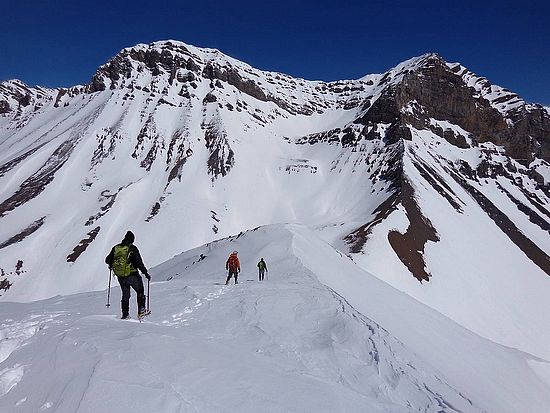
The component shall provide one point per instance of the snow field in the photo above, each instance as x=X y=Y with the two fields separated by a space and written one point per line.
x=288 y=344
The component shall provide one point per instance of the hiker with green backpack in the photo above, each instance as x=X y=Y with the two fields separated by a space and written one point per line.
x=125 y=261
x=262 y=268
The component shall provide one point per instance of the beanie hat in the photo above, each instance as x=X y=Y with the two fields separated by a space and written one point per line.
x=130 y=237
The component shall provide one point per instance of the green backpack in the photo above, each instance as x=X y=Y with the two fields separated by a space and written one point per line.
x=122 y=267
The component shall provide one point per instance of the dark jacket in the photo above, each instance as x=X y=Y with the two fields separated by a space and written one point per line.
x=134 y=256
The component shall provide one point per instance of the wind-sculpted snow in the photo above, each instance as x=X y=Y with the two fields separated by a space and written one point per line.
x=427 y=333
x=286 y=344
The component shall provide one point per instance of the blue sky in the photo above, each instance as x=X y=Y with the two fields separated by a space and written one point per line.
x=61 y=42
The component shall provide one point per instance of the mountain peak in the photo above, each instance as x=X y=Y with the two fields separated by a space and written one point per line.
x=418 y=63
x=166 y=56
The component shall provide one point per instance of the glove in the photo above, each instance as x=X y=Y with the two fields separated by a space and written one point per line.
x=147 y=276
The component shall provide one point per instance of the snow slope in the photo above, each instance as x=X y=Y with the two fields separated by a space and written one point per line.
x=145 y=156
x=483 y=281
x=291 y=343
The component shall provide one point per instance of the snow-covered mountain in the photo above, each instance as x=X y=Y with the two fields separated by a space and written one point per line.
x=427 y=176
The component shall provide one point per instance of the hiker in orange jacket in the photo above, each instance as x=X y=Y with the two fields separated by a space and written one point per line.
x=233 y=266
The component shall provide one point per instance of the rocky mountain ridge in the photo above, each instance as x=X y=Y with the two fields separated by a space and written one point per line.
x=413 y=92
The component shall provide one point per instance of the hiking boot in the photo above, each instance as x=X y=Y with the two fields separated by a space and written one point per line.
x=125 y=317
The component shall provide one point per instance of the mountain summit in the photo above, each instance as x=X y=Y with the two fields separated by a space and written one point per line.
x=428 y=176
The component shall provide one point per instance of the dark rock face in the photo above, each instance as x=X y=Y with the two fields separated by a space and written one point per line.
x=436 y=91
x=222 y=157
x=4 y=106
x=25 y=100
x=384 y=110
x=330 y=136
x=443 y=95
x=120 y=66
x=181 y=65
x=215 y=73
x=113 y=70
x=60 y=94
x=83 y=245
x=530 y=135
x=154 y=60
x=398 y=131
x=409 y=246
x=210 y=98
x=5 y=284
x=231 y=75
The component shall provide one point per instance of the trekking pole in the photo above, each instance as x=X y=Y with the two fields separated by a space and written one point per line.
x=109 y=293
x=148 y=295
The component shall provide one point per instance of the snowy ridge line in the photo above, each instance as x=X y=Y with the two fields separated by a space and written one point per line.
x=337 y=356
x=203 y=336
x=502 y=99
x=412 y=323
x=188 y=61
x=25 y=103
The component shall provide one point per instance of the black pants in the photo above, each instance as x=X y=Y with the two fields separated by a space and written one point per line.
x=134 y=281
x=261 y=274
x=232 y=273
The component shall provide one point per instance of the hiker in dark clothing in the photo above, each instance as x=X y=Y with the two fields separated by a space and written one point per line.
x=262 y=268
x=233 y=266
x=125 y=261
